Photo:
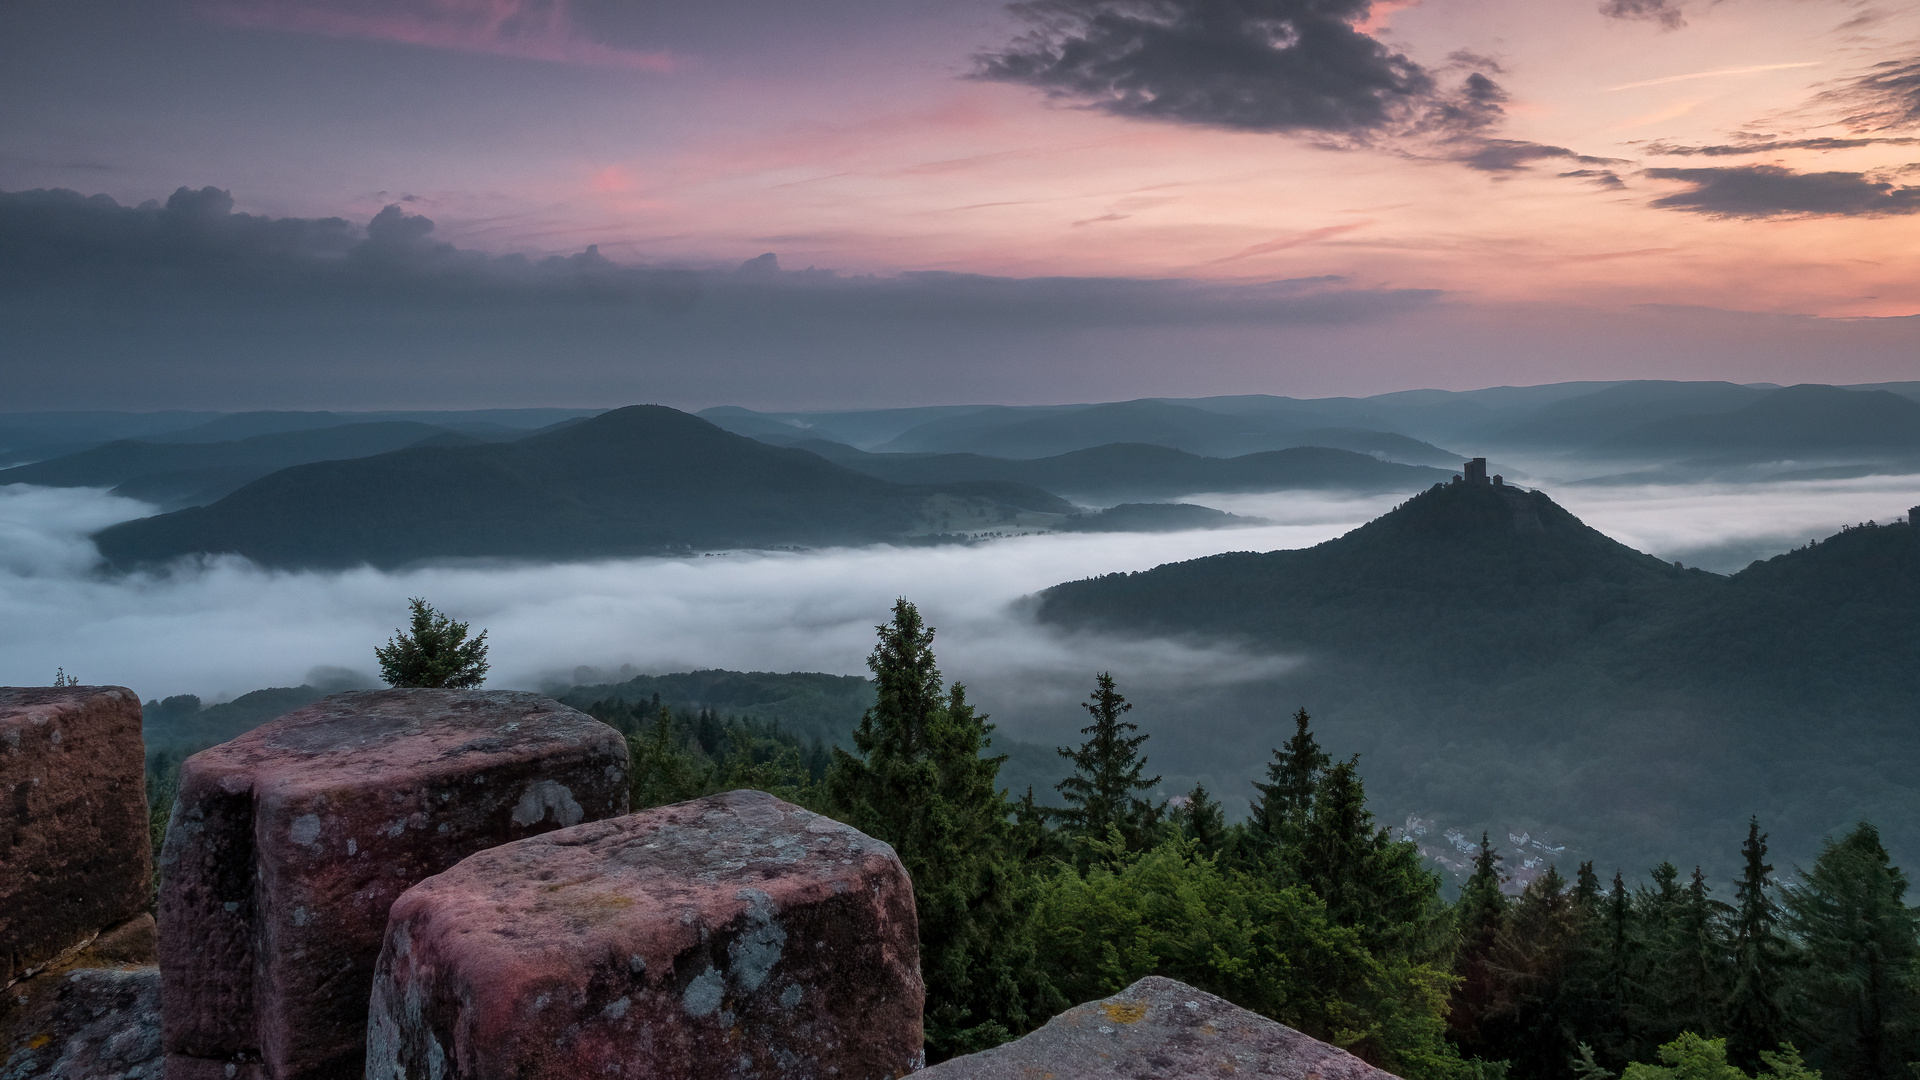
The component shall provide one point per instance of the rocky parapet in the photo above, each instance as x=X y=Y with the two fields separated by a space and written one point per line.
x=289 y=844
x=731 y=936
x=1157 y=1029
x=74 y=856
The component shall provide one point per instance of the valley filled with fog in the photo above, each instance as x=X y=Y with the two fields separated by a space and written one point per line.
x=223 y=626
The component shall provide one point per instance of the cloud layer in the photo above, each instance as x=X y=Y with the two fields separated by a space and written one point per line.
x=524 y=29
x=1251 y=65
x=1766 y=191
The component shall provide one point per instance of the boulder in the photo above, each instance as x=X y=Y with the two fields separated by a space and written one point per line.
x=74 y=851
x=1158 y=1028
x=288 y=844
x=91 y=1023
x=731 y=936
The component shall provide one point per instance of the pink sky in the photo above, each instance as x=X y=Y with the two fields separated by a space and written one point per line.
x=846 y=135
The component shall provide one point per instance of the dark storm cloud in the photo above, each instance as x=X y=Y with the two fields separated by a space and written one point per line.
x=1664 y=12
x=190 y=294
x=1668 y=149
x=1251 y=65
x=1765 y=191
x=1512 y=155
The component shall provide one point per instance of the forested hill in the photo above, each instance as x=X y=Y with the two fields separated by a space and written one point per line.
x=1460 y=578
x=640 y=480
x=1497 y=659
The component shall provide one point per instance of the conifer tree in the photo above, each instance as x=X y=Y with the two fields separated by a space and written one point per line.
x=1856 y=1003
x=1696 y=965
x=1280 y=810
x=1619 y=991
x=1103 y=791
x=1202 y=821
x=920 y=783
x=1587 y=1010
x=1479 y=915
x=1533 y=954
x=433 y=652
x=1368 y=880
x=1756 y=1017
x=1653 y=1011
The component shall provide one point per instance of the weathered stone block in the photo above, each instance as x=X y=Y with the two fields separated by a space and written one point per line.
x=74 y=856
x=731 y=936
x=1158 y=1028
x=289 y=843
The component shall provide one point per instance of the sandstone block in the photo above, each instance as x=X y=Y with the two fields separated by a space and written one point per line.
x=1158 y=1028
x=289 y=843
x=74 y=855
x=731 y=936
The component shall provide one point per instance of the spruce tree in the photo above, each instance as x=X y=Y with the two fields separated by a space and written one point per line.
x=1856 y=1001
x=1281 y=809
x=1479 y=916
x=1618 y=1038
x=1697 y=964
x=920 y=782
x=1202 y=821
x=1368 y=880
x=1755 y=1012
x=1102 y=793
x=433 y=652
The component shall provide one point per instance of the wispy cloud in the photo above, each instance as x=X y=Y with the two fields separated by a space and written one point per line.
x=1311 y=236
x=1714 y=74
x=523 y=29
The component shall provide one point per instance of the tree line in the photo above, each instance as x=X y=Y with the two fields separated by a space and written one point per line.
x=1308 y=912
x=1313 y=914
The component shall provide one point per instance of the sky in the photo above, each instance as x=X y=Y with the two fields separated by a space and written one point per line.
x=469 y=203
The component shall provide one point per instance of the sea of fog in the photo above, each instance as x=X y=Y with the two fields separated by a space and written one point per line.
x=225 y=627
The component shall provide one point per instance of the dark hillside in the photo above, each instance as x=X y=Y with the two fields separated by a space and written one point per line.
x=638 y=480
x=1499 y=662
x=187 y=473
x=1827 y=627
x=1459 y=578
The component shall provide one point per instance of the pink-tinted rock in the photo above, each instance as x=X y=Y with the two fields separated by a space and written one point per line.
x=1159 y=1029
x=731 y=936
x=289 y=843
x=74 y=855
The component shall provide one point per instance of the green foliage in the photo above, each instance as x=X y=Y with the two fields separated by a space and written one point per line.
x=1201 y=820
x=1175 y=911
x=1755 y=1010
x=1856 y=1000
x=1286 y=798
x=433 y=652
x=1102 y=794
x=163 y=783
x=919 y=781
x=1691 y=1057
x=1688 y=1057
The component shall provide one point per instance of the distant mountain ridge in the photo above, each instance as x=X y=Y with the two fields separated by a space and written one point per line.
x=641 y=480
x=178 y=474
x=1137 y=470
